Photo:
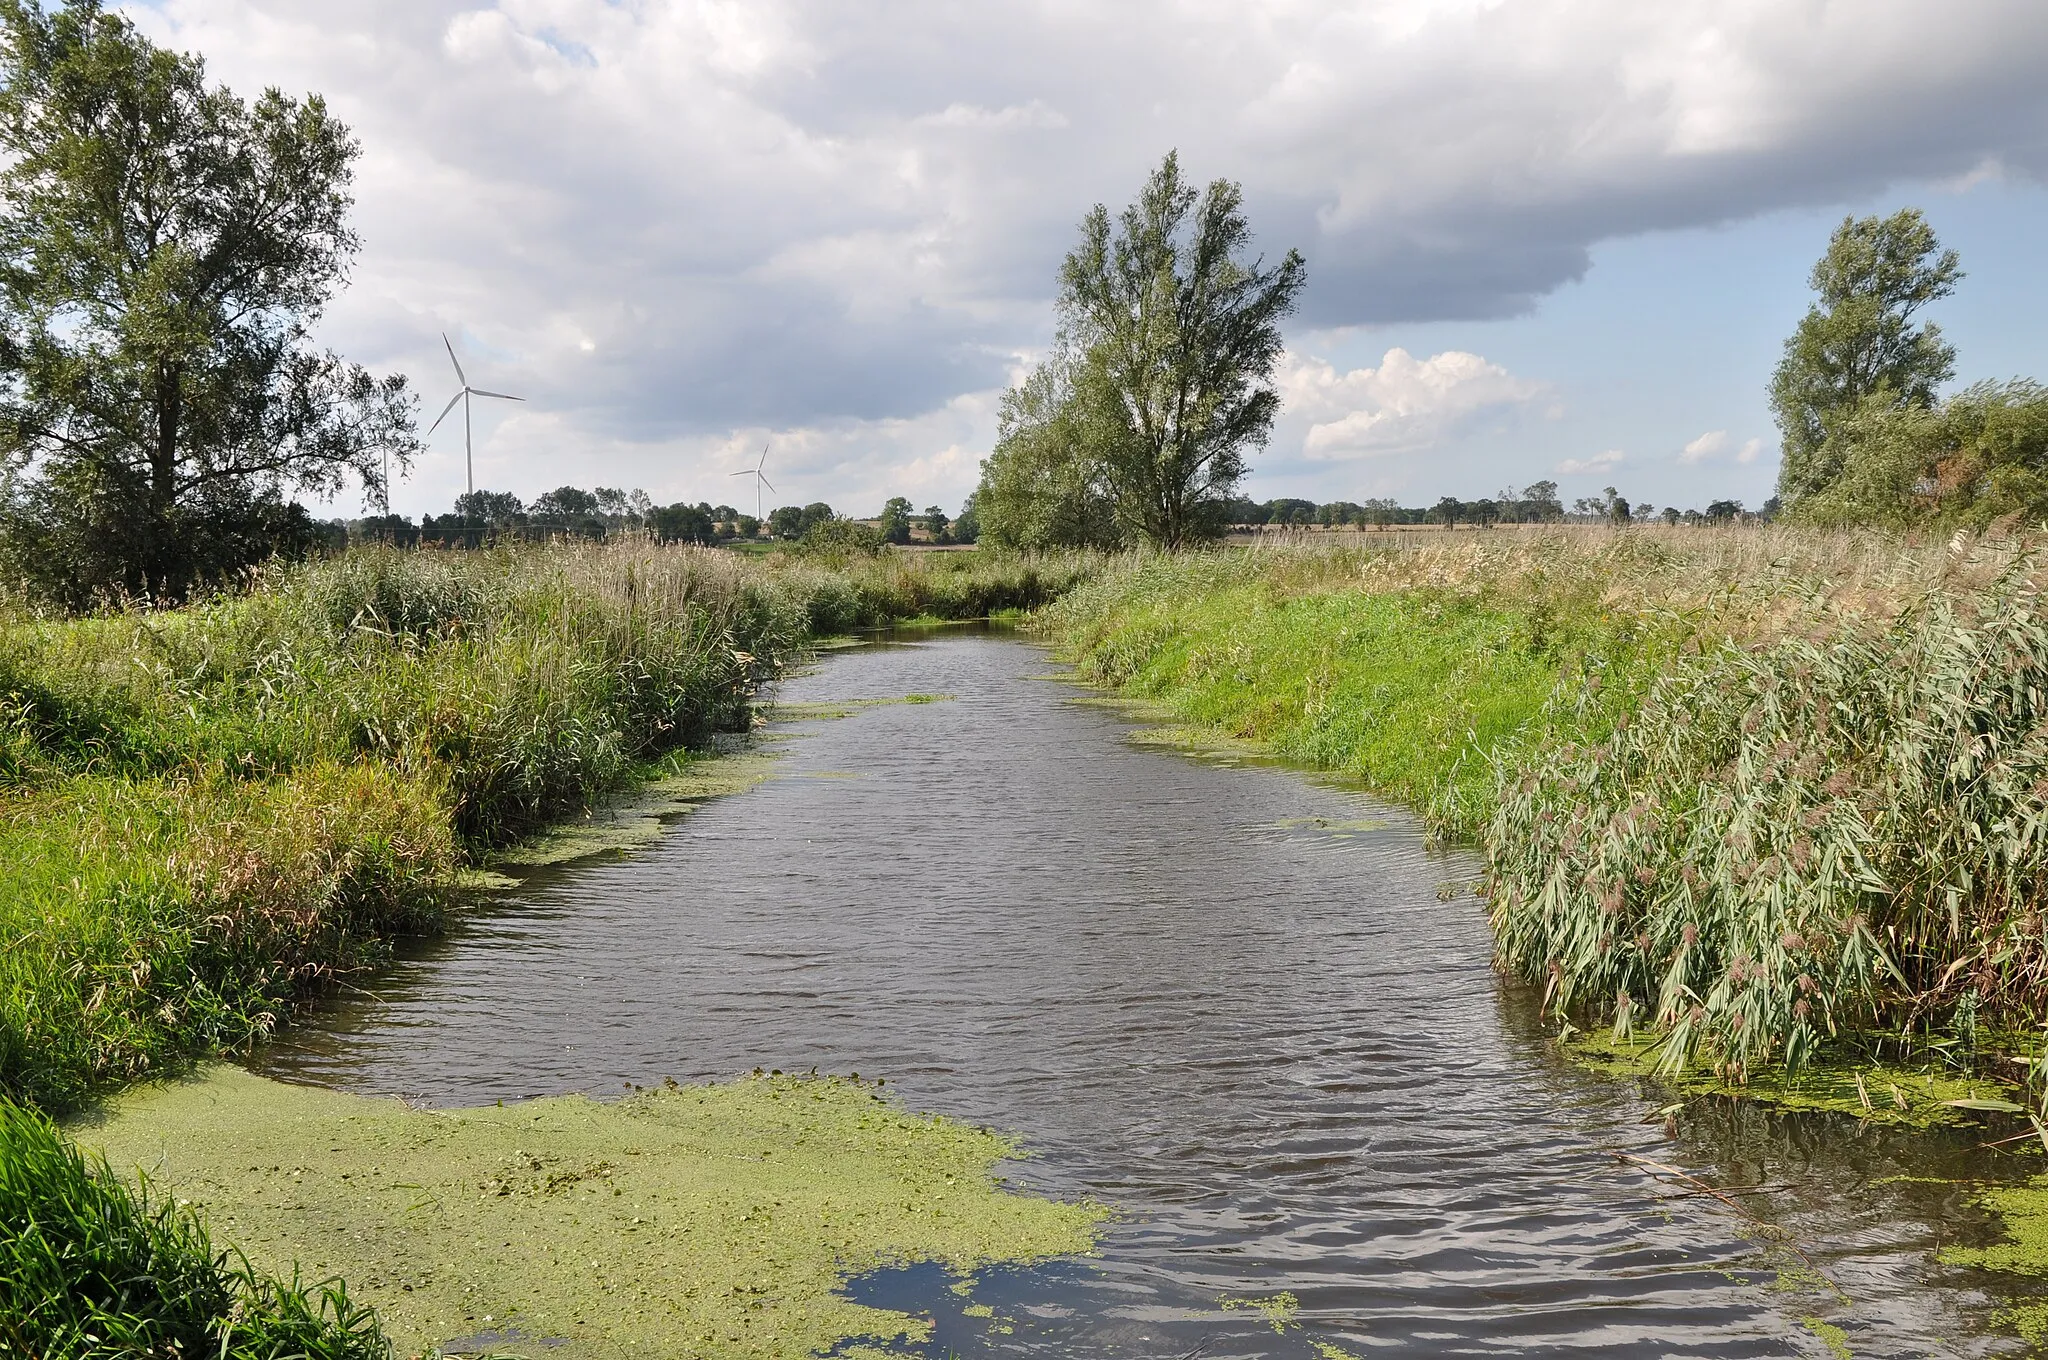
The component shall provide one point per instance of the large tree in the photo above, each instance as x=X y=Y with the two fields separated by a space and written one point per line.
x=1858 y=346
x=165 y=249
x=1176 y=331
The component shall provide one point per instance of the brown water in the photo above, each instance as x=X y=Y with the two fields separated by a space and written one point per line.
x=1225 y=998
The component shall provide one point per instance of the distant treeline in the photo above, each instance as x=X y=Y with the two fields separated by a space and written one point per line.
x=571 y=512
x=1534 y=504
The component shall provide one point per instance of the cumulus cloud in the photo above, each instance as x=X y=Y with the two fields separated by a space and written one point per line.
x=1706 y=446
x=1599 y=462
x=1403 y=405
x=669 y=221
x=1713 y=445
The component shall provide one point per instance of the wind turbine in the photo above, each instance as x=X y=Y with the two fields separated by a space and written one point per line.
x=468 y=451
x=760 y=479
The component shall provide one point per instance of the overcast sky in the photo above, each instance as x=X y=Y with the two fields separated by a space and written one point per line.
x=1546 y=238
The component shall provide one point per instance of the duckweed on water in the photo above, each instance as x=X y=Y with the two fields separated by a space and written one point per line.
x=1829 y=1335
x=845 y=708
x=672 y=788
x=1281 y=1311
x=2024 y=1210
x=694 y=1220
x=1908 y=1097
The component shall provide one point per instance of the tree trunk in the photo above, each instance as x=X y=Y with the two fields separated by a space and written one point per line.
x=163 y=459
x=162 y=569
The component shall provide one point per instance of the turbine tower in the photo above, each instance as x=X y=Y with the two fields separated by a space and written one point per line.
x=760 y=479
x=468 y=448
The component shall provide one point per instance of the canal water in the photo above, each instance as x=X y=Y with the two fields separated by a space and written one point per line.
x=1246 y=1007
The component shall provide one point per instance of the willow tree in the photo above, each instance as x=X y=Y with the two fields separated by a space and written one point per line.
x=1859 y=349
x=1176 y=331
x=165 y=249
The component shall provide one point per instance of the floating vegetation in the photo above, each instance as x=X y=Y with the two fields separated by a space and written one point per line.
x=1281 y=1311
x=833 y=710
x=1927 y=1096
x=672 y=788
x=683 y=1221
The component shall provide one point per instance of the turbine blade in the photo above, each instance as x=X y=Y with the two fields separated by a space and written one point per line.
x=765 y=482
x=501 y=396
x=459 y=377
x=743 y=472
x=444 y=413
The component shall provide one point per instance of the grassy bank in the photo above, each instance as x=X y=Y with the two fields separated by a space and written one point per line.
x=205 y=812
x=1763 y=792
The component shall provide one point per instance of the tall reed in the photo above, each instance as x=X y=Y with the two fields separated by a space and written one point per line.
x=1762 y=789
x=1837 y=830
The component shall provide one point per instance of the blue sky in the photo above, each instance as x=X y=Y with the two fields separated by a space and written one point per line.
x=1672 y=335
x=1542 y=234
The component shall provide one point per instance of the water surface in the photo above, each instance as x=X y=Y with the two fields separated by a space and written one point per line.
x=1246 y=1007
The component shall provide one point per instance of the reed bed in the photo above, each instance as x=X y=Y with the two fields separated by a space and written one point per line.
x=206 y=811
x=1837 y=831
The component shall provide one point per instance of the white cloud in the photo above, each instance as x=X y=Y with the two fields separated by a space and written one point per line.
x=1706 y=446
x=1713 y=445
x=1403 y=405
x=1035 y=114
x=671 y=221
x=1599 y=462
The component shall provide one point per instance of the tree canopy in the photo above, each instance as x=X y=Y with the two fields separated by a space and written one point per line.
x=1138 y=426
x=1045 y=485
x=1858 y=347
x=164 y=251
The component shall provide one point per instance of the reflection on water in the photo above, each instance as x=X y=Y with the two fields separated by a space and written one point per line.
x=1228 y=1001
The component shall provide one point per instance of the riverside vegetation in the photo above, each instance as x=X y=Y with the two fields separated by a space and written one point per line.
x=208 y=813
x=1759 y=793
x=209 y=810
x=1750 y=797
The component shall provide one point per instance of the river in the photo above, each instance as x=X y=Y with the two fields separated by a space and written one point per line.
x=1245 y=1006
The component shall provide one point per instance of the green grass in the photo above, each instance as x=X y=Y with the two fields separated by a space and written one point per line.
x=1410 y=691
x=91 y=1269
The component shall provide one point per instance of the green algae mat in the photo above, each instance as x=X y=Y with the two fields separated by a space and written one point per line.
x=683 y=1221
